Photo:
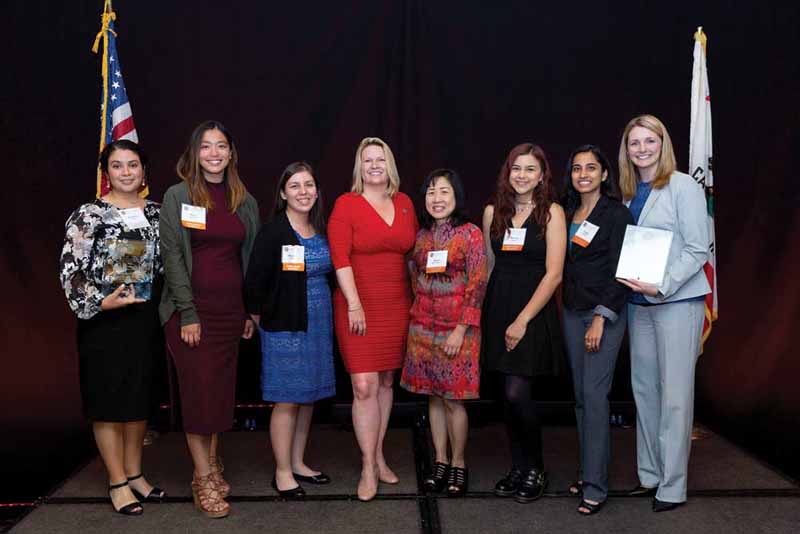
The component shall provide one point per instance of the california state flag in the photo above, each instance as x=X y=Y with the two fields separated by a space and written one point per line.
x=700 y=159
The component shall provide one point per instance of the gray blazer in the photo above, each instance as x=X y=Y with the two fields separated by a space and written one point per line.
x=680 y=207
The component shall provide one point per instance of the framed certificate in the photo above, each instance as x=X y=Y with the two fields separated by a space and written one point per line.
x=644 y=254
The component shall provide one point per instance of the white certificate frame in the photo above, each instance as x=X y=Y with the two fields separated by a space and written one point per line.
x=644 y=254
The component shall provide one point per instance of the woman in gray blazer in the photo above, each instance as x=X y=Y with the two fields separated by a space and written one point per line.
x=665 y=321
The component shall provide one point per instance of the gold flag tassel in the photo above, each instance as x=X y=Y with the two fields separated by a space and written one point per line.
x=105 y=20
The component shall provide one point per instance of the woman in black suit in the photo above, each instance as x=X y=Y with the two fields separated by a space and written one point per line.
x=594 y=310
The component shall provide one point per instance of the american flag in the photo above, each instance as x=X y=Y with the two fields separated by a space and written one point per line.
x=116 y=120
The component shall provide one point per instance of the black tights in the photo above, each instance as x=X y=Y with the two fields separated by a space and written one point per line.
x=522 y=423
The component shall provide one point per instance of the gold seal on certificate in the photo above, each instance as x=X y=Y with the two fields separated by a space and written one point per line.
x=644 y=254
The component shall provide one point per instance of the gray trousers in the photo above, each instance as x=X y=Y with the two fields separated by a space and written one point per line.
x=665 y=342
x=592 y=374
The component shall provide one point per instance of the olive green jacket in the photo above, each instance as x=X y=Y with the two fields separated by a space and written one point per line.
x=176 y=252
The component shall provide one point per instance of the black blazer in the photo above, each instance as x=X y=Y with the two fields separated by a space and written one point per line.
x=278 y=296
x=589 y=279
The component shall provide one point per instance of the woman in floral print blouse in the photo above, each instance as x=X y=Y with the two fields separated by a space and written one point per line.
x=110 y=255
x=448 y=276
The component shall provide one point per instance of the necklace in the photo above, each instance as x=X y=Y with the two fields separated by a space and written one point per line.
x=523 y=205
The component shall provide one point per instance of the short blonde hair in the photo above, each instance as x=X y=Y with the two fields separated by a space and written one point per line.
x=391 y=167
x=628 y=173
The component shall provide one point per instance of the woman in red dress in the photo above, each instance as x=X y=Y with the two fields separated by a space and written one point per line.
x=370 y=231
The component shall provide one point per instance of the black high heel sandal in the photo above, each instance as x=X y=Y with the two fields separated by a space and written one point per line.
x=457 y=481
x=133 y=508
x=155 y=495
x=437 y=479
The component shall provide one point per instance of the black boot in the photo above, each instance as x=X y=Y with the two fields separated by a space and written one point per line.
x=532 y=486
x=508 y=485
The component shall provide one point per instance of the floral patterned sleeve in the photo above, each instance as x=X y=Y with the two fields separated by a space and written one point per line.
x=83 y=295
x=477 y=274
x=153 y=214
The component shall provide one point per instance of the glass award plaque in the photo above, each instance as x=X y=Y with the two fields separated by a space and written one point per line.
x=129 y=262
x=644 y=254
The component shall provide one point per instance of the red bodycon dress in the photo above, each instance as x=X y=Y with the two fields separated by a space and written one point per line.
x=376 y=251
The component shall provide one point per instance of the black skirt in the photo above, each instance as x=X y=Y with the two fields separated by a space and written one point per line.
x=116 y=351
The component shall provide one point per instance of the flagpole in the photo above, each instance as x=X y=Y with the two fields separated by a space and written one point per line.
x=105 y=20
x=701 y=164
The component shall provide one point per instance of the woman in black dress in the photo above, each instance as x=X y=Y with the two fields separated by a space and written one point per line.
x=110 y=254
x=525 y=238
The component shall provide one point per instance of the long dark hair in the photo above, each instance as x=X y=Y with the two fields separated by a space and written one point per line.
x=459 y=215
x=315 y=216
x=190 y=171
x=609 y=187
x=503 y=198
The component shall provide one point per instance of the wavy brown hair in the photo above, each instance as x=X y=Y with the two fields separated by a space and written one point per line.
x=190 y=171
x=503 y=198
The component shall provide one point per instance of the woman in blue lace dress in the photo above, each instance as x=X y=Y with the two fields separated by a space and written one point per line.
x=287 y=292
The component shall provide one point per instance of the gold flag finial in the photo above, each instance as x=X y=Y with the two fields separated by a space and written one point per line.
x=700 y=36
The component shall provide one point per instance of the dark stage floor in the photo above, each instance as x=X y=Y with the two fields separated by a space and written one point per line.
x=730 y=491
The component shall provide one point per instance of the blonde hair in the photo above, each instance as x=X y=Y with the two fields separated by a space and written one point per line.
x=391 y=168
x=628 y=173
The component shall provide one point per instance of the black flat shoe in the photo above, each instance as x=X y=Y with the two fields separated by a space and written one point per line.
x=643 y=491
x=532 y=486
x=664 y=506
x=437 y=479
x=457 y=481
x=134 y=508
x=508 y=485
x=576 y=488
x=294 y=494
x=592 y=508
x=321 y=478
x=155 y=495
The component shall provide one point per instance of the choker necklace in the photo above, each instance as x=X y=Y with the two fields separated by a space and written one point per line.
x=523 y=205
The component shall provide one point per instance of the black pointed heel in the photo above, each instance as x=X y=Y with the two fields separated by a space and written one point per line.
x=293 y=494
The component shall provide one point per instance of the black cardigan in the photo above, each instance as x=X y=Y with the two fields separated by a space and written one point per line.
x=589 y=279
x=278 y=296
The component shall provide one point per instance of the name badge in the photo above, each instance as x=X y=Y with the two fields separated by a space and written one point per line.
x=193 y=216
x=514 y=239
x=585 y=234
x=134 y=218
x=293 y=257
x=437 y=261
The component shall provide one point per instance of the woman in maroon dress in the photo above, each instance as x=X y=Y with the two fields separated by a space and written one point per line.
x=370 y=231
x=208 y=224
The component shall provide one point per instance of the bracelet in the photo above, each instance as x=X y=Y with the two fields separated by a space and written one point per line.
x=354 y=309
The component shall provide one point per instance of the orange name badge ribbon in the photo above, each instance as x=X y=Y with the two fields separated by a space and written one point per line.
x=437 y=262
x=293 y=257
x=193 y=217
x=585 y=234
x=514 y=239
